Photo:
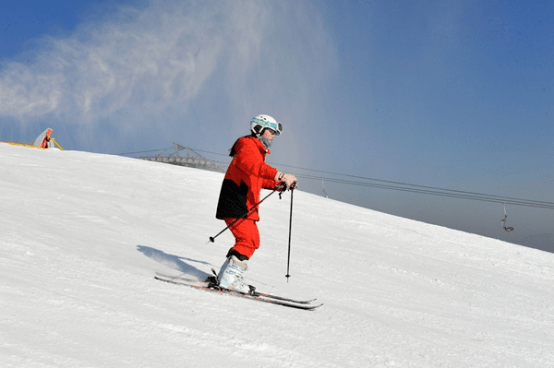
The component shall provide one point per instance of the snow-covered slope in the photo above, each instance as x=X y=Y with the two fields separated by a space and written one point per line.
x=83 y=234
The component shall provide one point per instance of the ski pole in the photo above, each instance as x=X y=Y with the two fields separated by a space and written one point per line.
x=212 y=239
x=290 y=231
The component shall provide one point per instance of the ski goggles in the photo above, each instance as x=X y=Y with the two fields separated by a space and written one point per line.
x=275 y=127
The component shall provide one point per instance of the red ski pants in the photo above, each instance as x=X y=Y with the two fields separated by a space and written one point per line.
x=247 y=237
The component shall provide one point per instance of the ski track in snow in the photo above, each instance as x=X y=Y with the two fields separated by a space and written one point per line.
x=83 y=235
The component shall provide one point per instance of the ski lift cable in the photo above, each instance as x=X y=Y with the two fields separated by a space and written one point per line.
x=487 y=197
x=439 y=190
x=443 y=193
x=502 y=198
x=403 y=186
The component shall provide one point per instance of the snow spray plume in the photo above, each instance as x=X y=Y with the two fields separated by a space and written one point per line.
x=141 y=66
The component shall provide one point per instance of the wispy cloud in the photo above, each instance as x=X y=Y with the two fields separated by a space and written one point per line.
x=140 y=63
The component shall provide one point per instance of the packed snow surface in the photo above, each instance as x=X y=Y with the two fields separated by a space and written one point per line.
x=82 y=236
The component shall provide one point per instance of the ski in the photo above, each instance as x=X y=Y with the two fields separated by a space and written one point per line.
x=239 y=294
x=262 y=294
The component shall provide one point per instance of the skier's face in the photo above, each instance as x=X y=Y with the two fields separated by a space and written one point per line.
x=269 y=134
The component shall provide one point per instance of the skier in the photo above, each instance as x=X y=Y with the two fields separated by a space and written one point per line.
x=246 y=176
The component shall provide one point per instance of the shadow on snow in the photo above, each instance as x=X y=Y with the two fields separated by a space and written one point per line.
x=175 y=262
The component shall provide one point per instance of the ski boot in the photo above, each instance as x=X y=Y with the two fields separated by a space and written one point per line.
x=230 y=276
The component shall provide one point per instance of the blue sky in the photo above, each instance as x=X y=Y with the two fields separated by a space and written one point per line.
x=448 y=94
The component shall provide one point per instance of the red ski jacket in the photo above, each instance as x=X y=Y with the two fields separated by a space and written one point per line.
x=246 y=176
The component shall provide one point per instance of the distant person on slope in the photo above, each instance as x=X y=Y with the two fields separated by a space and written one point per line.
x=246 y=176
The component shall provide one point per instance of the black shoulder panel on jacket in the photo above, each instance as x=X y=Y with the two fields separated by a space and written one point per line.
x=232 y=200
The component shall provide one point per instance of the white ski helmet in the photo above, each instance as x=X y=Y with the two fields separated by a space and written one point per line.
x=262 y=121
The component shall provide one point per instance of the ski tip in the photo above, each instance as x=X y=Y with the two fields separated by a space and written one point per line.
x=312 y=308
